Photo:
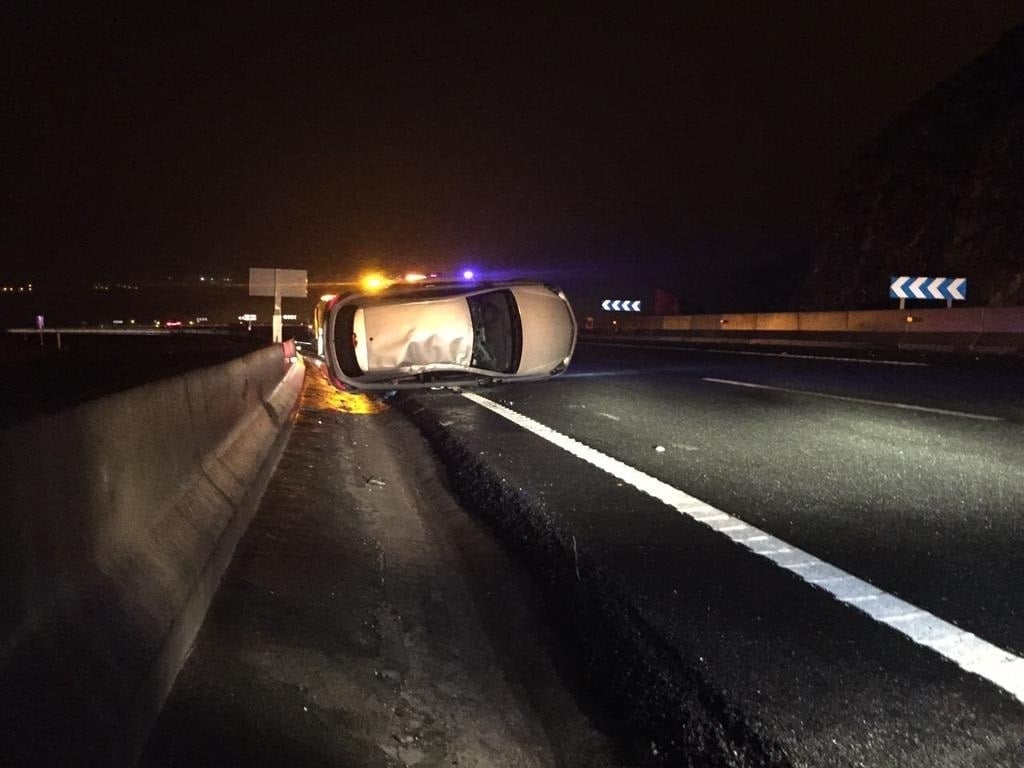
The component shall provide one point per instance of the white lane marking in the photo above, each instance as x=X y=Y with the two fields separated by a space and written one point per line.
x=622 y=372
x=861 y=400
x=862 y=598
x=611 y=416
x=679 y=348
x=966 y=650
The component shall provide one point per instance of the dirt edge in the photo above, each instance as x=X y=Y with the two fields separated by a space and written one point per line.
x=662 y=710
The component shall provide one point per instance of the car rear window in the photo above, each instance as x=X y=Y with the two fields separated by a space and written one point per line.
x=497 y=331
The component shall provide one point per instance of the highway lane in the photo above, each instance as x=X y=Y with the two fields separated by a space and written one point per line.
x=907 y=477
x=990 y=387
x=925 y=504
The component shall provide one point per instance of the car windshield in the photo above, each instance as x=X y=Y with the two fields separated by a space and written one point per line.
x=496 y=331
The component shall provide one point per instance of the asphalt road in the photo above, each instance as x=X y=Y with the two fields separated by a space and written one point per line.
x=926 y=504
x=832 y=550
x=702 y=558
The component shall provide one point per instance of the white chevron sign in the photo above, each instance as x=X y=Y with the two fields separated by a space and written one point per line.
x=942 y=288
x=621 y=305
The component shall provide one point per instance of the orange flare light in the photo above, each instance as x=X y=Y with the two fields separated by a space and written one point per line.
x=374 y=282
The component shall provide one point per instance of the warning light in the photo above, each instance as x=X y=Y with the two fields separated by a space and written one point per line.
x=374 y=282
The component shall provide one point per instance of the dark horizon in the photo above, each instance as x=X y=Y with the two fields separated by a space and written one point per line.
x=677 y=148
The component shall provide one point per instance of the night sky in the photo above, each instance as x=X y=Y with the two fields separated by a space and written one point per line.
x=683 y=146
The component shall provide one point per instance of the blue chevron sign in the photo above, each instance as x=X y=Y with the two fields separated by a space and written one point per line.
x=948 y=288
x=620 y=305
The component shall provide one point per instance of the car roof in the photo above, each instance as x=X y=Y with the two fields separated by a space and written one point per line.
x=409 y=332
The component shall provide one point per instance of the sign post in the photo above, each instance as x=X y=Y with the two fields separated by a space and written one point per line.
x=279 y=283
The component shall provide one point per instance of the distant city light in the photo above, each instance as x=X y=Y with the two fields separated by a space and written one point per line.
x=109 y=286
x=414 y=277
x=17 y=288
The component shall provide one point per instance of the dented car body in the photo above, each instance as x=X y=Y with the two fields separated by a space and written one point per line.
x=448 y=334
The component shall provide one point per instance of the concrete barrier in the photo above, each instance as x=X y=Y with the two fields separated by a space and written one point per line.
x=778 y=321
x=942 y=321
x=648 y=323
x=120 y=516
x=677 y=322
x=880 y=321
x=1003 y=320
x=706 y=322
x=823 y=322
x=738 y=322
x=971 y=330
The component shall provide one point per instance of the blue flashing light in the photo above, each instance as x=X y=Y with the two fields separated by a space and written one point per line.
x=468 y=274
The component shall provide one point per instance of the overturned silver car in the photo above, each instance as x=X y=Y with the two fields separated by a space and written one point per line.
x=411 y=336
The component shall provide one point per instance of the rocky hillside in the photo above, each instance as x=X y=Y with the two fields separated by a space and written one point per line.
x=940 y=192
